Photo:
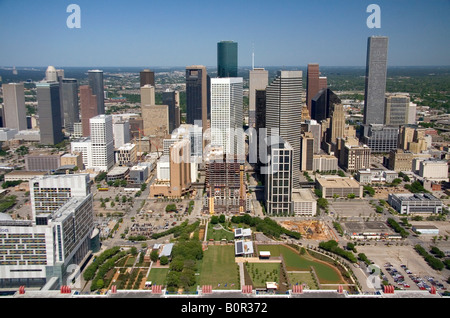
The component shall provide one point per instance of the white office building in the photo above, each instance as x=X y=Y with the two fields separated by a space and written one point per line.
x=102 y=140
x=121 y=132
x=84 y=146
x=435 y=170
x=227 y=115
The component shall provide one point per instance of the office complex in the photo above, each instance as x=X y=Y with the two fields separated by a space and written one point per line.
x=375 y=82
x=380 y=138
x=49 y=110
x=96 y=84
x=419 y=203
x=51 y=74
x=227 y=116
x=197 y=95
x=312 y=83
x=69 y=101
x=332 y=186
x=121 y=132
x=147 y=95
x=322 y=104
x=169 y=99
x=307 y=151
x=259 y=79
x=102 y=142
x=42 y=162
x=147 y=77
x=14 y=106
x=278 y=179
x=283 y=113
x=227 y=59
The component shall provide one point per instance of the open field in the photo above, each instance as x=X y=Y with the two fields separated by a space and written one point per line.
x=218 y=268
x=295 y=262
x=158 y=276
x=351 y=208
x=260 y=273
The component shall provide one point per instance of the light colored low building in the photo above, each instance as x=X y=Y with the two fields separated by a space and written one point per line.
x=419 y=203
x=436 y=170
x=118 y=173
x=368 y=176
x=126 y=155
x=338 y=186
x=325 y=163
x=73 y=159
x=138 y=174
x=17 y=175
x=426 y=229
x=304 y=203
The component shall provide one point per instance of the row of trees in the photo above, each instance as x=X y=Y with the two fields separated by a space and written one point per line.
x=333 y=247
x=267 y=226
x=397 y=228
x=434 y=262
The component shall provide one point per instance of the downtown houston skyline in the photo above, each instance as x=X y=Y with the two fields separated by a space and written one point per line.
x=179 y=33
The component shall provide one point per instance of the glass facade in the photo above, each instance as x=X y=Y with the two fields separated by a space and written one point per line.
x=227 y=59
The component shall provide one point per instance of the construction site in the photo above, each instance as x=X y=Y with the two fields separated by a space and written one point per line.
x=310 y=229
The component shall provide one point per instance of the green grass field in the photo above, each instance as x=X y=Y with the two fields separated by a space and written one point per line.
x=300 y=278
x=158 y=276
x=260 y=273
x=295 y=262
x=218 y=268
x=218 y=235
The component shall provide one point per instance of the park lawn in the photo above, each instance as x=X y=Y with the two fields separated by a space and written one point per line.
x=218 y=235
x=158 y=276
x=218 y=268
x=300 y=278
x=295 y=262
x=261 y=273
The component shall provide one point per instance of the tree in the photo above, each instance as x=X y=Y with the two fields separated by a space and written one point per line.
x=154 y=256
x=164 y=260
x=214 y=219
x=171 y=208
x=222 y=218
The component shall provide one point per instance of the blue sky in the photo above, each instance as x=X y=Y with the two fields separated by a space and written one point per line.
x=182 y=32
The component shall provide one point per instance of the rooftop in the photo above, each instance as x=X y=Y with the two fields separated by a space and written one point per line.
x=337 y=182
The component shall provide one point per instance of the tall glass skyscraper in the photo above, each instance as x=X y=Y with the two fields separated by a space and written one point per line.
x=69 y=102
x=227 y=59
x=375 y=86
x=96 y=84
x=197 y=95
x=49 y=110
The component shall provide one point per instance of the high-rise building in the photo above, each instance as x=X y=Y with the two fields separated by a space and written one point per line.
x=397 y=109
x=169 y=99
x=102 y=140
x=312 y=83
x=337 y=123
x=88 y=107
x=375 y=83
x=121 y=132
x=283 y=113
x=51 y=75
x=316 y=129
x=14 y=106
x=354 y=156
x=49 y=110
x=278 y=184
x=307 y=152
x=69 y=101
x=227 y=115
x=227 y=59
x=259 y=79
x=97 y=86
x=147 y=95
x=322 y=104
x=48 y=193
x=197 y=95
x=380 y=138
x=147 y=77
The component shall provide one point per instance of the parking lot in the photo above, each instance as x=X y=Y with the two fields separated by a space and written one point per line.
x=354 y=209
x=403 y=267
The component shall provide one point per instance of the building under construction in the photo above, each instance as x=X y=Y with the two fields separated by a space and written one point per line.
x=225 y=187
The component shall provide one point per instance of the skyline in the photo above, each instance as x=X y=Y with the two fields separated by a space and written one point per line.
x=288 y=33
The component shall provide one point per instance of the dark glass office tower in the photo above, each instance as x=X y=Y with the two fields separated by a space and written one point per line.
x=147 y=77
x=96 y=84
x=227 y=59
x=322 y=104
x=168 y=98
x=69 y=100
x=197 y=82
x=375 y=85
x=49 y=110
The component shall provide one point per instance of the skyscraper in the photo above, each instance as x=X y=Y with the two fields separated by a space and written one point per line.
x=197 y=95
x=259 y=79
x=227 y=115
x=169 y=99
x=283 y=113
x=88 y=105
x=312 y=83
x=14 y=106
x=96 y=84
x=147 y=77
x=49 y=110
x=69 y=100
x=307 y=152
x=375 y=84
x=51 y=74
x=227 y=59
x=322 y=104
x=102 y=140
x=278 y=184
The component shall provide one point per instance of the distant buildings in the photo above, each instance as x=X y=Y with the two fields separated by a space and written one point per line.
x=314 y=84
x=69 y=100
x=88 y=108
x=415 y=203
x=397 y=109
x=147 y=77
x=96 y=84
